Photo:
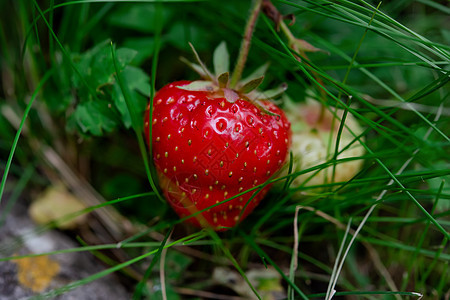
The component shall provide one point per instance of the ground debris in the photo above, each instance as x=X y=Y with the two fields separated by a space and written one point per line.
x=30 y=276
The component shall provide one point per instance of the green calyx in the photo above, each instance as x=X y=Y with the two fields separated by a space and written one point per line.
x=218 y=83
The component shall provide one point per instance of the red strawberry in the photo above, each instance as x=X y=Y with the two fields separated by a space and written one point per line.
x=207 y=149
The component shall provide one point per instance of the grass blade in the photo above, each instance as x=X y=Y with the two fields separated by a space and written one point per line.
x=19 y=131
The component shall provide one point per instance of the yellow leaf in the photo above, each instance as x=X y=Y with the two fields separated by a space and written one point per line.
x=56 y=204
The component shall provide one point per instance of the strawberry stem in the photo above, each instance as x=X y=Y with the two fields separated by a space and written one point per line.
x=245 y=45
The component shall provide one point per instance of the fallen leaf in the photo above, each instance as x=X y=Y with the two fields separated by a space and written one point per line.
x=56 y=203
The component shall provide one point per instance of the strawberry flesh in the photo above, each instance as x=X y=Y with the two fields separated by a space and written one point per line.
x=206 y=150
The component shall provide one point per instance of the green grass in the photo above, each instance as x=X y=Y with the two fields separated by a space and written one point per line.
x=82 y=93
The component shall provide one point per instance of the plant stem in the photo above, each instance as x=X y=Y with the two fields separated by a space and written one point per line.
x=245 y=46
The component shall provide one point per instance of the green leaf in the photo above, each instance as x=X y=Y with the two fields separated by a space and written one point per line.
x=223 y=79
x=138 y=16
x=83 y=63
x=182 y=32
x=138 y=83
x=57 y=99
x=260 y=71
x=96 y=64
x=251 y=85
x=221 y=59
x=143 y=46
x=125 y=56
x=198 y=85
x=95 y=117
